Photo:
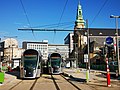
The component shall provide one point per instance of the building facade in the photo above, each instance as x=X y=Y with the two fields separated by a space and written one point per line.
x=69 y=41
x=39 y=46
x=63 y=50
x=79 y=39
x=12 y=53
x=97 y=44
x=76 y=40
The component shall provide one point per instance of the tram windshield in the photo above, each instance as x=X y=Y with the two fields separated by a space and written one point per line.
x=55 y=61
x=30 y=62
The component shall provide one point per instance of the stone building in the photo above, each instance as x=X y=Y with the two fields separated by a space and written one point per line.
x=97 y=37
x=12 y=53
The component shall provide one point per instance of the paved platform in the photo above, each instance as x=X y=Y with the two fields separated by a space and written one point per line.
x=97 y=80
x=9 y=77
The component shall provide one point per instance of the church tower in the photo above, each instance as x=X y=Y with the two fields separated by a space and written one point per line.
x=79 y=23
x=79 y=40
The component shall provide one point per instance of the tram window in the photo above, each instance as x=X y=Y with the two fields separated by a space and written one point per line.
x=55 y=62
x=30 y=62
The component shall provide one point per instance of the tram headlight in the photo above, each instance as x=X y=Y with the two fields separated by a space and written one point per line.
x=33 y=71
x=57 y=67
x=25 y=71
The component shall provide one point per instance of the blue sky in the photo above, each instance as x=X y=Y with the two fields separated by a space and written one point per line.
x=47 y=12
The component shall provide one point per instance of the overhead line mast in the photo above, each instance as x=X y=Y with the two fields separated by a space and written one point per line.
x=42 y=29
x=38 y=29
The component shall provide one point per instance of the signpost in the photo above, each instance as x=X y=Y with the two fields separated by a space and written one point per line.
x=109 y=41
x=86 y=58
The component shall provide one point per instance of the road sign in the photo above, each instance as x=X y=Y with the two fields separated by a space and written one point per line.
x=86 y=58
x=109 y=40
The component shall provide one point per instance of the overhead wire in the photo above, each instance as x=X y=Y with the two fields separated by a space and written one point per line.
x=98 y=12
x=62 y=25
x=60 y=18
x=63 y=12
x=68 y=26
x=54 y=25
x=27 y=17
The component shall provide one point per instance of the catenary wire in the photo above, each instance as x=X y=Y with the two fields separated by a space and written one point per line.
x=60 y=18
x=98 y=12
x=55 y=24
x=62 y=12
x=27 y=17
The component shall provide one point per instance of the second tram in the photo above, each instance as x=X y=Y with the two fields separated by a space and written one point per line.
x=31 y=64
x=55 y=63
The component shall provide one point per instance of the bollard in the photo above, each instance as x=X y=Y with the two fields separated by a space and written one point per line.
x=1 y=77
x=87 y=76
x=108 y=74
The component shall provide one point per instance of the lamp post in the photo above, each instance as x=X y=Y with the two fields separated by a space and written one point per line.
x=117 y=41
x=88 y=52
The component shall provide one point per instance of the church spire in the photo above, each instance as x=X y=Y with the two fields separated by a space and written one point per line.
x=79 y=23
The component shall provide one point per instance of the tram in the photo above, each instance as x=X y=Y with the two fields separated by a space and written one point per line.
x=55 y=63
x=31 y=64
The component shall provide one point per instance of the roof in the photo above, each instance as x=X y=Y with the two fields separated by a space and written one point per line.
x=99 y=31
x=36 y=42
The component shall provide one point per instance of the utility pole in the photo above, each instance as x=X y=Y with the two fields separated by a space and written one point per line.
x=117 y=42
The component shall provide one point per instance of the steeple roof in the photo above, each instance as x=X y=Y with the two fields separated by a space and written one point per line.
x=79 y=17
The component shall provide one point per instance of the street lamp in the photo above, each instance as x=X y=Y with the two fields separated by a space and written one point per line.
x=117 y=41
x=88 y=46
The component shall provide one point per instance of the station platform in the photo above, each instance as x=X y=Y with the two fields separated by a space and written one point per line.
x=9 y=77
x=97 y=79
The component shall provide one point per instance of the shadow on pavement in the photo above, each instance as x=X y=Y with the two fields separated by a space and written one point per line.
x=77 y=79
x=94 y=84
x=14 y=73
x=74 y=78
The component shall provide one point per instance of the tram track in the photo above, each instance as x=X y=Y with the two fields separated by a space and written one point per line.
x=70 y=82
x=16 y=85
x=57 y=83
x=60 y=82
x=32 y=87
x=24 y=81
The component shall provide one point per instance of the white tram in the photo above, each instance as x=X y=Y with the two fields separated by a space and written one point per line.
x=31 y=64
x=55 y=63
